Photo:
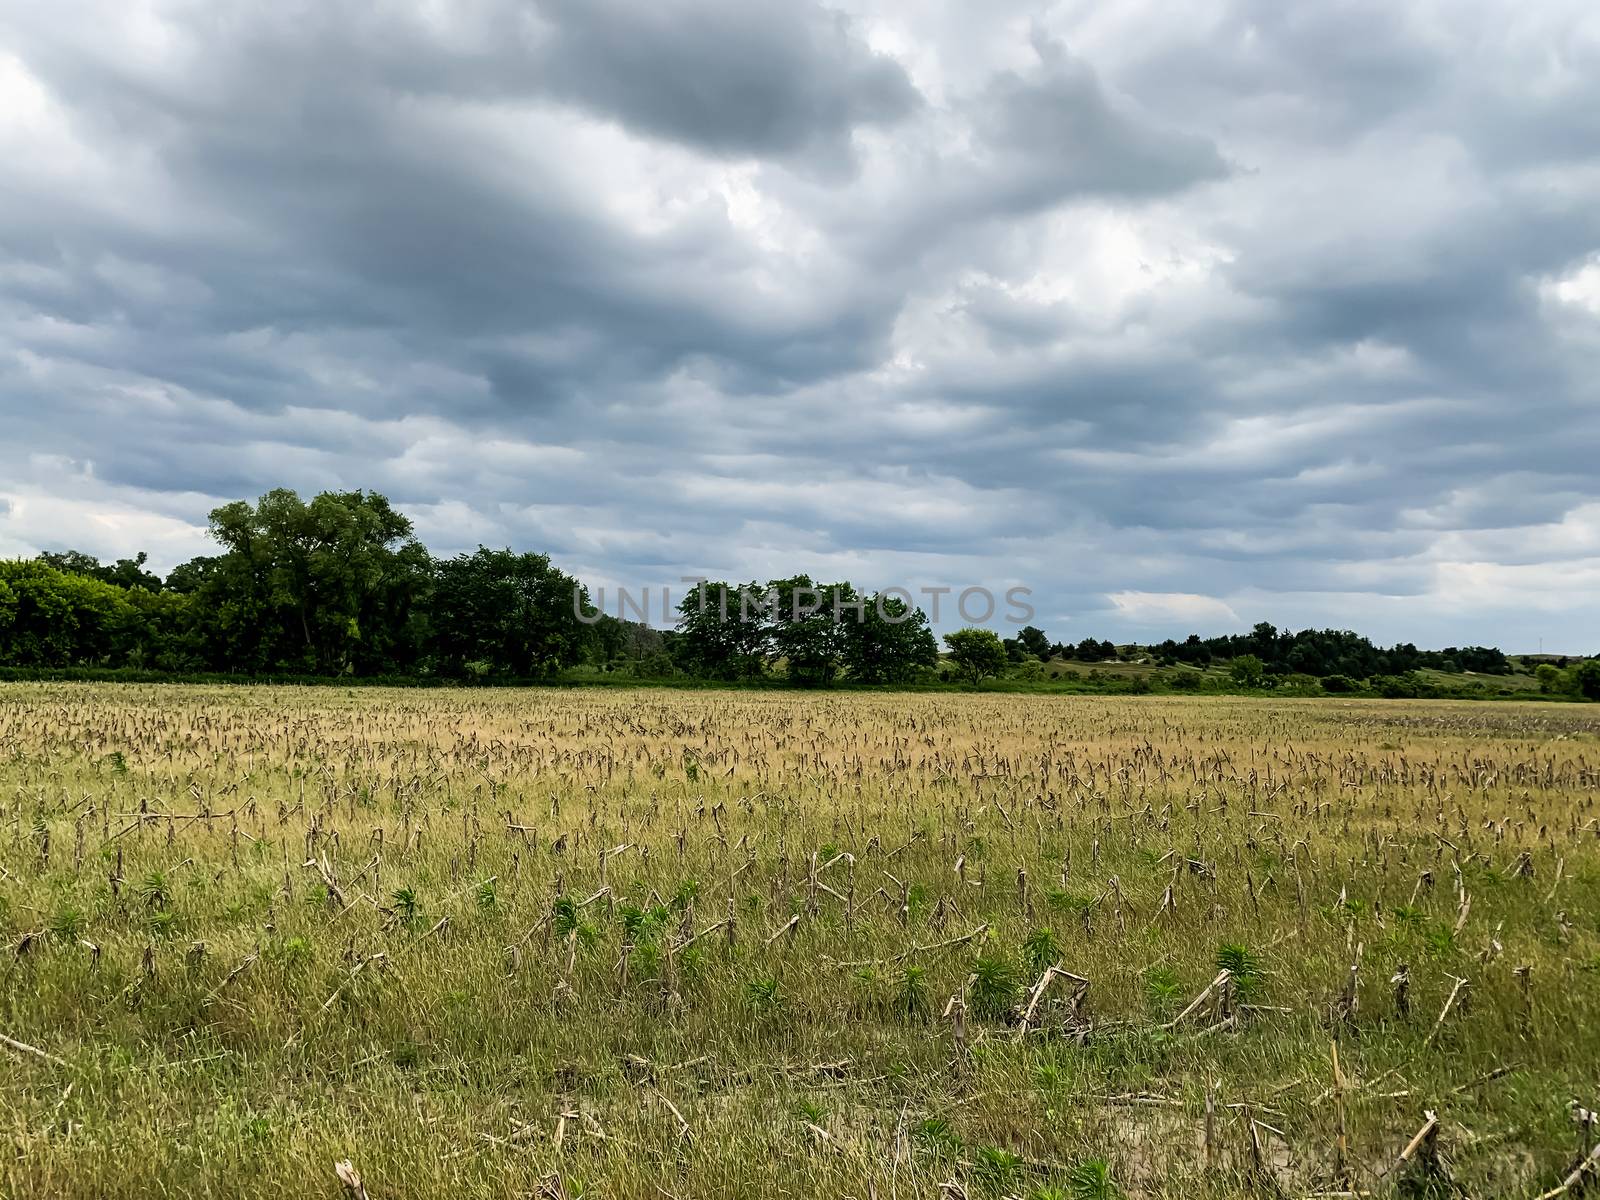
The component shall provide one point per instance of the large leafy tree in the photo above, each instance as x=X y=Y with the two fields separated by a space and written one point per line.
x=724 y=631
x=890 y=643
x=328 y=586
x=810 y=627
x=500 y=612
x=976 y=654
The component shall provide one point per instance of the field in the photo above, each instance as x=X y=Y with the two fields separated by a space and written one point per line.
x=672 y=944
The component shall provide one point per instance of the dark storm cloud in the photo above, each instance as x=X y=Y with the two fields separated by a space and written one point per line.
x=354 y=208
x=1278 y=312
x=768 y=79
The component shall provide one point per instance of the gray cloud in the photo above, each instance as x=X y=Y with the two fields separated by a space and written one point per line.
x=769 y=79
x=1055 y=134
x=1277 y=313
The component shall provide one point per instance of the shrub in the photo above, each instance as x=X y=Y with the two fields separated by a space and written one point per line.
x=1247 y=671
x=1398 y=687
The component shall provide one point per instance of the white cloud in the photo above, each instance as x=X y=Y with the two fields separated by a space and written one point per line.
x=1181 y=608
x=1578 y=289
x=100 y=521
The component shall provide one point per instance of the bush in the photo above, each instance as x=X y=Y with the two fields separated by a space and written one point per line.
x=1247 y=671
x=1398 y=687
x=654 y=666
x=1338 y=684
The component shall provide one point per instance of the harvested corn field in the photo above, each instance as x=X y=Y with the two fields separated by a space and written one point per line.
x=564 y=943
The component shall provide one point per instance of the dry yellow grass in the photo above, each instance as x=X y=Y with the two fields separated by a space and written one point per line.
x=479 y=943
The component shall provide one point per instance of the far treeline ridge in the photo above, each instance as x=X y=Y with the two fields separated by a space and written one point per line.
x=338 y=587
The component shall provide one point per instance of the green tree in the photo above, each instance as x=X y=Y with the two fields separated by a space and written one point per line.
x=1586 y=678
x=616 y=642
x=54 y=618
x=809 y=625
x=162 y=632
x=328 y=586
x=124 y=573
x=1247 y=670
x=73 y=562
x=1266 y=645
x=976 y=654
x=515 y=612
x=1091 y=651
x=724 y=632
x=890 y=643
x=1034 y=641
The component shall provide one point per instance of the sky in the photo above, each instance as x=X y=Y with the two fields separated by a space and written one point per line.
x=1183 y=316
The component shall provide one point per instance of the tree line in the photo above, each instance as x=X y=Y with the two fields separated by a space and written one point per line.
x=339 y=586
x=1329 y=652
x=1319 y=652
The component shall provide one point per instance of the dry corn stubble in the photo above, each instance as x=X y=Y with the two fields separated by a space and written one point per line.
x=489 y=943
